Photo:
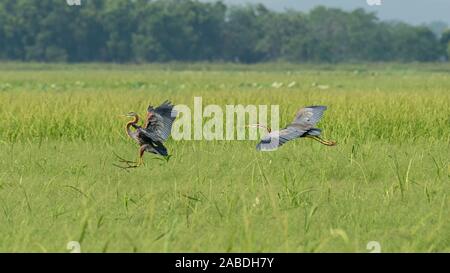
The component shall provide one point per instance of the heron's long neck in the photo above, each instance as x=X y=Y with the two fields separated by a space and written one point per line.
x=261 y=126
x=131 y=123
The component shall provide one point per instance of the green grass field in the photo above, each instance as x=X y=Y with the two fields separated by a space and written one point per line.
x=387 y=180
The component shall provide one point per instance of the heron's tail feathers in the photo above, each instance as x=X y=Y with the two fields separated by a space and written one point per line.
x=157 y=148
x=314 y=132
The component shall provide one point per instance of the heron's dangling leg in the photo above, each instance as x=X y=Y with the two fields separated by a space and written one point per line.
x=133 y=164
x=141 y=154
x=323 y=141
x=128 y=163
x=122 y=159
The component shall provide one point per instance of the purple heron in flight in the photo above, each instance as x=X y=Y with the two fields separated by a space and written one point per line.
x=154 y=132
x=303 y=125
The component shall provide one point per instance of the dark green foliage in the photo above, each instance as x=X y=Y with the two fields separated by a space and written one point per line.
x=445 y=42
x=189 y=30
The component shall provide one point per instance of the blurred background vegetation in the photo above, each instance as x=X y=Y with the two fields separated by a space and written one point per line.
x=186 y=30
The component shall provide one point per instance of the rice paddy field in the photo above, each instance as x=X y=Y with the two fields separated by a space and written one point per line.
x=386 y=181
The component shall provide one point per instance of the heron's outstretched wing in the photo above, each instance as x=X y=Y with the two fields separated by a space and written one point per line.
x=307 y=117
x=275 y=139
x=159 y=120
x=157 y=148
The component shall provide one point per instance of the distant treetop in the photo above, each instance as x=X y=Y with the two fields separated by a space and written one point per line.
x=187 y=30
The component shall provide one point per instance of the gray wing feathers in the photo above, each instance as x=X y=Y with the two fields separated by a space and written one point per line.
x=160 y=122
x=307 y=117
x=304 y=122
x=275 y=139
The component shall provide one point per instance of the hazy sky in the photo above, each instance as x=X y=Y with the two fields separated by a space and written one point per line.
x=411 y=11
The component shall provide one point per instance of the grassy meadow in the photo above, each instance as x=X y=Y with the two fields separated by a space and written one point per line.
x=387 y=180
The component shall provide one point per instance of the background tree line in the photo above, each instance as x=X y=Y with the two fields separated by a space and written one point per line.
x=187 y=30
